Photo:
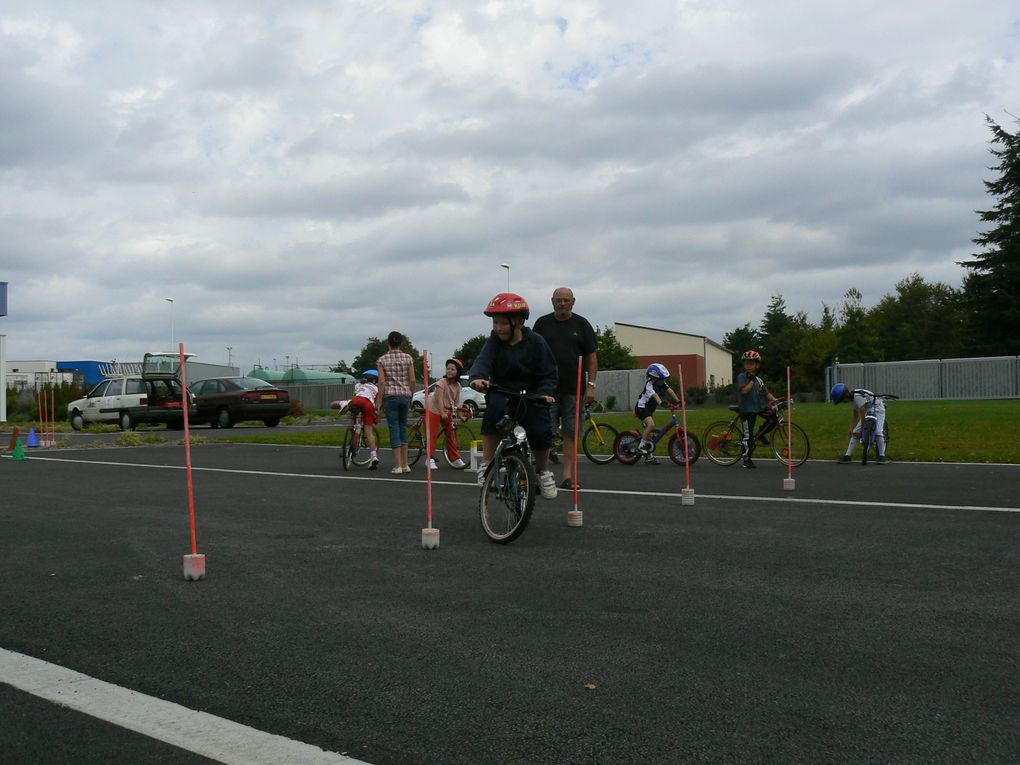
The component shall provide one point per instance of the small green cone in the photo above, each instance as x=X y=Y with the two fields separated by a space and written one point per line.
x=19 y=452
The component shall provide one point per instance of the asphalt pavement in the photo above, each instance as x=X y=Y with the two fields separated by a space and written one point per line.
x=870 y=615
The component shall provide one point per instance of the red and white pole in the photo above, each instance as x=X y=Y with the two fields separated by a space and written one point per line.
x=194 y=564
x=686 y=493
x=429 y=535
x=575 y=517
x=789 y=484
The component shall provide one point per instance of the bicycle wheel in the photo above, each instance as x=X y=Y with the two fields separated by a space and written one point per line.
x=722 y=441
x=795 y=451
x=415 y=445
x=625 y=447
x=360 y=455
x=598 y=442
x=464 y=437
x=352 y=442
x=507 y=497
x=867 y=436
x=676 y=450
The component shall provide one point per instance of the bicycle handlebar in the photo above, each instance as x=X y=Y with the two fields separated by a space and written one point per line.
x=538 y=398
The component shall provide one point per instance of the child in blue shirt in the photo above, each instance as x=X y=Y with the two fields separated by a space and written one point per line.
x=752 y=399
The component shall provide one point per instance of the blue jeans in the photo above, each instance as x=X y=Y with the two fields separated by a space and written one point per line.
x=397 y=408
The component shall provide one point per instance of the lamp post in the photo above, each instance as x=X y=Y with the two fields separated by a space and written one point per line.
x=171 y=302
x=229 y=357
x=507 y=267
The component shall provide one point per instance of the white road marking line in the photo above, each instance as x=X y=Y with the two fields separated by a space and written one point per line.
x=620 y=492
x=197 y=732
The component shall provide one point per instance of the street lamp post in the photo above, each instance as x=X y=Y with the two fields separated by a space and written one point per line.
x=171 y=302
x=507 y=267
x=229 y=357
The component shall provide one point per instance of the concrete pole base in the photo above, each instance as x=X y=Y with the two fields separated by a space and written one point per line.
x=686 y=496
x=789 y=484
x=575 y=518
x=430 y=539
x=194 y=567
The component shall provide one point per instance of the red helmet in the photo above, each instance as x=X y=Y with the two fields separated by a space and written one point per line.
x=457 y=363
x=751 y=356
x=507 y=304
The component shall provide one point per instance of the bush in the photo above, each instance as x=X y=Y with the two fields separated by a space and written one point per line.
x=296 y=408
x=610 y=403
x=726 y=394
x=697 y=395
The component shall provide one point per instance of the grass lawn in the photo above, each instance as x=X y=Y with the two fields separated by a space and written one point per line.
x=930 y=431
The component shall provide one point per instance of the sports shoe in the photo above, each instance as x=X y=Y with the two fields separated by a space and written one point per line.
x=481 y=472
x=568 y=483
x=373 y=464
x=651 y=459
x=883 y=460
x=405 y=469
x=844 y=459
x=645 y=447
x=750 y=464
x=547 y=484
x=458 y=463
x=433 y=465
x=397 y=470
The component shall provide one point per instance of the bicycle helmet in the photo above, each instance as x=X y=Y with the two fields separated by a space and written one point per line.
x=751 y=356
x=372 y=374
x=838 y=391
x=658 y=371
x=508 y=304
x=457 y=363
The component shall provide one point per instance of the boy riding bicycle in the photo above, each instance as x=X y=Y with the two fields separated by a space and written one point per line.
x=516 y=358
x=753 y=398
x=366 y=393
x=648 y=401
x=863 y=400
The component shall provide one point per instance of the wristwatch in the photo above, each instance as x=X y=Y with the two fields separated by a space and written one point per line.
x=591 y=383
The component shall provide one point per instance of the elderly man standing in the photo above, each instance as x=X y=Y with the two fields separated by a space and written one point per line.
x=569 y=336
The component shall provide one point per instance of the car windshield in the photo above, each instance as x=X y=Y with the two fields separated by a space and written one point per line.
x=251 y=383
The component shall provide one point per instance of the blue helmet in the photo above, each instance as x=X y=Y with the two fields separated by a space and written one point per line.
x=658 y=371
x=838 y=391
x=371 y=373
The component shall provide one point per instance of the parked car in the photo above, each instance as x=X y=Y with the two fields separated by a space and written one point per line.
x=222 y=401
x=129 y=401
x=469 y=397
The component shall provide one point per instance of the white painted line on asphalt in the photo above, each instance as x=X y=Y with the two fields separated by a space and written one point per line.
x=620 y=492
x=197 y=732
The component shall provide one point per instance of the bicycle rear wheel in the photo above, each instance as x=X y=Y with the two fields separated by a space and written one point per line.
x=722 y=441
x=507 y=498
x=464 y=437
x=352 y=442
x=867 y=436
x=597 y=443
x=360 y=455
x=415 y=445
x=676 y=449
x=625 y=447
x=793 y=451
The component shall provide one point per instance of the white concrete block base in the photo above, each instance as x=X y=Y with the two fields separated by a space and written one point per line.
x=575 y=518
x=194 y=567
x=789 y=484
x=430 y=539
x=686 y=496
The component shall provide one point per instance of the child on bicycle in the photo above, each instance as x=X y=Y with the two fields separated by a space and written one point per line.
x=649 y=400
x=862 y=402
x=366 y=393
x=753 y=398
x=514 y=357
x=443 y=403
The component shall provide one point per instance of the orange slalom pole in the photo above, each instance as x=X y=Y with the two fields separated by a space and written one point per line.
x=428 y=439
x=187 y=449
x=42 y=416
x=789 y=425
x=577 y=426
x=53 y=413
x=683 y=412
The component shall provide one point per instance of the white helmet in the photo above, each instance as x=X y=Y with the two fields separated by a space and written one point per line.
x=657 y=371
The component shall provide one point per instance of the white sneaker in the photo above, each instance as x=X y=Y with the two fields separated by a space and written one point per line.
x=481 y=472
x=547 y=484
x=457 y=464
x=433 y=465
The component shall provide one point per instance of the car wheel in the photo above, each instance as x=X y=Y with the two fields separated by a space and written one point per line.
x=77 y=421
x=125 y=421
x=472 y=406
x=224 y=420
x=271 y=422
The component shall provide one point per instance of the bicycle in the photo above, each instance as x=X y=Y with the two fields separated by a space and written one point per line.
x=355 y=449
x=597 y=441
x=625 y=447
x=510 y=482
x=724 y=438
x=868 y=437
x=463 y=436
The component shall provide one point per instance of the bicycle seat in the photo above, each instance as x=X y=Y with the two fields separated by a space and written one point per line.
x=734 y=407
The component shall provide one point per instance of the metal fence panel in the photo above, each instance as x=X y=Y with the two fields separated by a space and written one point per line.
x=319 y=396
x=994 y=377
x=972 y=378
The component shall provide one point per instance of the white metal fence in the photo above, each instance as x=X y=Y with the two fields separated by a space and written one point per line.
x=988 y=377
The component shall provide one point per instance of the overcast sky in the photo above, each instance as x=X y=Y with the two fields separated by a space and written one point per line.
x=300 y=176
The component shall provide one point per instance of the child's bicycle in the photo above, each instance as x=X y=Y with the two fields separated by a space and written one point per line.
x=355 y=452
x=869 y=439
x=626 y=445
x=597 y=441
x=510 y=482
x=463 y=436
x=723 y=438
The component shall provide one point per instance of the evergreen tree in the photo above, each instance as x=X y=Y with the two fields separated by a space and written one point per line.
x=921 y=321
x=610 y=353
x=470 y=350
x=856 y=339
x=739 y=340
x=368 y=357
x=992 y=287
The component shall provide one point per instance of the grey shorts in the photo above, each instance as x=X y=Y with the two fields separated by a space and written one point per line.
x=563 y=412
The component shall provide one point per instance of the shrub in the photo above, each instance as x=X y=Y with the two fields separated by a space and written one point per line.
x=697 y=395
x=610 y=403
x=296 y=408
